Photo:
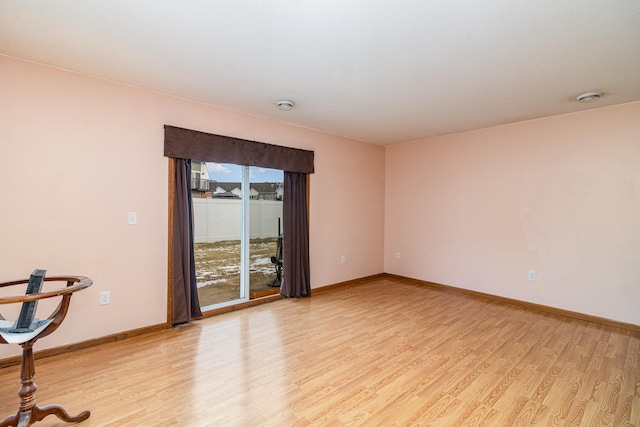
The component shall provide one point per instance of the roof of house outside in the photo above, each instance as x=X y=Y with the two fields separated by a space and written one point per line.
x=260 y=187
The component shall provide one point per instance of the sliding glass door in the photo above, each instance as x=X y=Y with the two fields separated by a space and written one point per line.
x=237 y=216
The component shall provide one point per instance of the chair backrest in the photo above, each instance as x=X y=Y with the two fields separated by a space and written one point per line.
x=28 y=310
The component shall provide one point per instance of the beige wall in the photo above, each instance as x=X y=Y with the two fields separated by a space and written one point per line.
x=560 y=195
x=94 y=151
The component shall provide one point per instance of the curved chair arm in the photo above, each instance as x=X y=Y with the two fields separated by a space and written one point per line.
x=74 y=283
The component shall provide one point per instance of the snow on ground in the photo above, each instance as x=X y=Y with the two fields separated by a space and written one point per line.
x=218 y=262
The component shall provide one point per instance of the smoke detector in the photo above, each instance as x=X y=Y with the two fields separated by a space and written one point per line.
x=285 y=105
x=589 y=97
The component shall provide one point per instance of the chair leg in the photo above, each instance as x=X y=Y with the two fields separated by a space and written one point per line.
x=10 y=421
x=60 y=412
x=29 y=412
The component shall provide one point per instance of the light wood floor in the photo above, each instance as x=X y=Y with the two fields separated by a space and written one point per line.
x=385 y=353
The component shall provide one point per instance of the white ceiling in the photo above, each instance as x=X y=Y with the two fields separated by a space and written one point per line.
x=373 y=70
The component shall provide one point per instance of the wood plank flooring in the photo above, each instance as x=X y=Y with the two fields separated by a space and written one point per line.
x=385 y=353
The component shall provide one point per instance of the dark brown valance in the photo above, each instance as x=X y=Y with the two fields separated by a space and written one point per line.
x=190 y=144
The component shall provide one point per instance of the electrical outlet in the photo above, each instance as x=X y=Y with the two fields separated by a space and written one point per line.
x=105 y=297
x=398 y=255
x=343 y=259
x=532 y=275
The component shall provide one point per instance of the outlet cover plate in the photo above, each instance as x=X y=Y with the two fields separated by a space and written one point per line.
x=105 y=297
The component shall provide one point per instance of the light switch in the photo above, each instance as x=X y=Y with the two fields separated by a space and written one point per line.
x=132 y=218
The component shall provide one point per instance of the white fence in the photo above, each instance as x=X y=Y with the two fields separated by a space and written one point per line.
x=220 y=219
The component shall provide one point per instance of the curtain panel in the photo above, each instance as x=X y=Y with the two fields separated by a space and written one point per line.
x=184 y=291
x=296 y=281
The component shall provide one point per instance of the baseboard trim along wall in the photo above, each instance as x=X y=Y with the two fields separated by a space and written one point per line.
x=41 y=354
x=11 y=361
x=525 y=304
x=16 y=360
x=340 y=285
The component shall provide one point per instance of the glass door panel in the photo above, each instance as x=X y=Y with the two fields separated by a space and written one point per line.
x=237 y=232
x=265 y=248
x=218 y=234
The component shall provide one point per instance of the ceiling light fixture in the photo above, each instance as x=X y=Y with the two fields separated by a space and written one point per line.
x=285 y=105
x=589 y=97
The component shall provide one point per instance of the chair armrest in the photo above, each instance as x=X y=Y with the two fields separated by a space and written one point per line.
x=74 y=283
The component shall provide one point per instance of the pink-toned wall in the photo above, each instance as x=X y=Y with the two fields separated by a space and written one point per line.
x=476 y=210
x=559 y=195
x=78 y=153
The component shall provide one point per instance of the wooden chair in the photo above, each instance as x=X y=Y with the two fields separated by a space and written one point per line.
x=29 y=412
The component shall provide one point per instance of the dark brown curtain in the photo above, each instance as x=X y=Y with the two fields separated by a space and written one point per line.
x=296 y=280
x=207 y=147
x=185 y=303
